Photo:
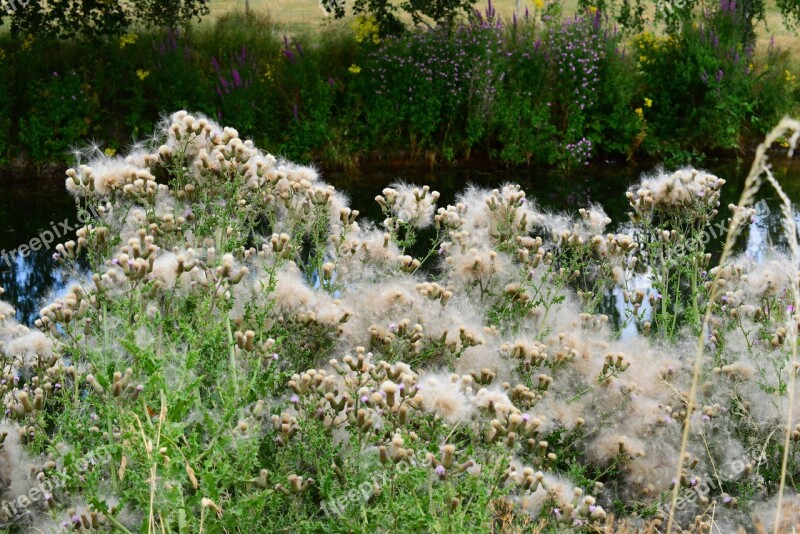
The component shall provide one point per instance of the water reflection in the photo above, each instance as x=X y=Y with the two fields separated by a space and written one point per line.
x=31 y=205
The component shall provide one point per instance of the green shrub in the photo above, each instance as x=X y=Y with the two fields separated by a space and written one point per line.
x=536 y=90
x=436 y=86
x=61 y=113
x=523 y=115
x=95 y=19
x=705 y=87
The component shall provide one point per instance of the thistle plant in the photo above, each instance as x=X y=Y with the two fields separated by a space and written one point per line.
x=675 y=213
x=245 y=341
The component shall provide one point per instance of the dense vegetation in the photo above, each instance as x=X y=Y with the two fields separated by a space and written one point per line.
x=538 y=89
x=251 y=356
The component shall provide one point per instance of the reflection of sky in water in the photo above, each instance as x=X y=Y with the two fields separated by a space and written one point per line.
x=31 y=280
x=24 y=276
x=30 y=205
x=766 y=230
x=627 y=323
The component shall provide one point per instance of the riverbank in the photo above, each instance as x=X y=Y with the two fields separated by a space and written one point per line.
x=534 y=91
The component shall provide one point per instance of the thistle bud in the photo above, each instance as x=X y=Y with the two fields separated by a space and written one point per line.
x=448 y=452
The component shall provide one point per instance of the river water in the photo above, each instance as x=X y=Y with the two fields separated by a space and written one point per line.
x=31 y=205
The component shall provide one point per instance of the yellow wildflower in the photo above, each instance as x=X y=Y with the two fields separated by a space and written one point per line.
x=539 y=4
x=126 y=39
x=592 y=10
x=110 y=152
x=640 y=113
x=366 y=28
x=142 y=74
x=354 y=69
x=27 y=43
x=789 y=76
x=648 y=103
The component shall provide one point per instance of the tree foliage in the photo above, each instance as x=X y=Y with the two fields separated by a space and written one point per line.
x=95 y=18
x=387 y=13
x=674 y=14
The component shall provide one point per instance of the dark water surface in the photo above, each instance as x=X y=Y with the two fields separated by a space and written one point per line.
x=31 y=205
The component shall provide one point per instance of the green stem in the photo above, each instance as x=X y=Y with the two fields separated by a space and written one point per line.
x=232 y=355
x=675 y=308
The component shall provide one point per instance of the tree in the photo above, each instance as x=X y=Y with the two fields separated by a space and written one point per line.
x=439 y=11
x=95 y=18
x=384 y=11
x=629 y=14
x=675 y=13
x=425 y=12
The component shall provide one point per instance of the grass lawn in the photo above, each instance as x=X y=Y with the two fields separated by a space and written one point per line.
x=305 y=14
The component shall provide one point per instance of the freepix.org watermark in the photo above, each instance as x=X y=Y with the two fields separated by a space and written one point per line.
x=16 y=508
x=708 y=486
x=10 y=6
x=46 y=238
